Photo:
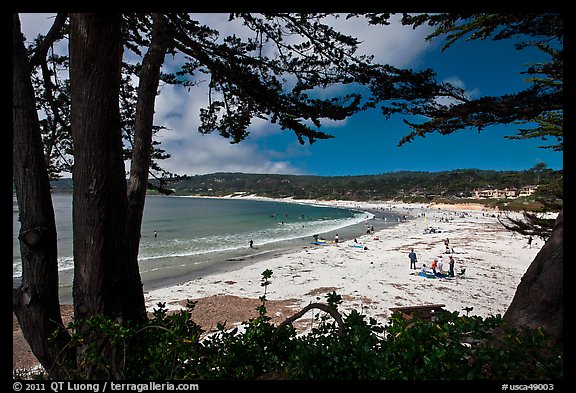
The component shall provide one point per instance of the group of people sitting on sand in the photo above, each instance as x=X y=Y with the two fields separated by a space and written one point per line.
x=436 y=268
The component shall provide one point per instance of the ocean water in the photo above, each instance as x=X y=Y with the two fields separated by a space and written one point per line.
x=182 y=235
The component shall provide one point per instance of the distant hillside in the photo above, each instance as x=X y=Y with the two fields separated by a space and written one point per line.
x=427 y=185
x=404 y=185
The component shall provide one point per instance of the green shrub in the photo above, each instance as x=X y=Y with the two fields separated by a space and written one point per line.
x=170 y=346
x=455 y=347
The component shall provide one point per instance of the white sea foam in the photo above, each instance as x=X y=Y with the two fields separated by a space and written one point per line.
x=199 y=229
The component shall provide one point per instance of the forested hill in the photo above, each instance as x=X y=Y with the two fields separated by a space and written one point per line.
x=428 y=185
x=448 y=184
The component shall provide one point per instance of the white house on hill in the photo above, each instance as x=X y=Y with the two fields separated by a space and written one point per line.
x=495 y=193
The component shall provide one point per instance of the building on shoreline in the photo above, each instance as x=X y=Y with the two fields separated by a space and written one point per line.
x=496 y=193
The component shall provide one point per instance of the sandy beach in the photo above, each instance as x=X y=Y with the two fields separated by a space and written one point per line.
x=372 y=274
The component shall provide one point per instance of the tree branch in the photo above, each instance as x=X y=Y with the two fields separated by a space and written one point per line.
x=320 y=306
x=53 y=34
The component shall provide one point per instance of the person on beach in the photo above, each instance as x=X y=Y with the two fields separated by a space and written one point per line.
x=434 y=265
x=530 y=241
x=336 y=238
x=447 y=244
x=155 y=234
x=413 y=259
x=451 y=265
x=440 y=265
x=251 y=243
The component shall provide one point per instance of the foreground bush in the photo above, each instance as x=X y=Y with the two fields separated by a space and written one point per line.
x=450 y=347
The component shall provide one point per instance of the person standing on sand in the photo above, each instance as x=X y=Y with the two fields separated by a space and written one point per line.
x=434 y=265
x=447 y=244
x=451 y=264
x=251 y=243
x=413 y=259
x=440 y=265
x=336 y=238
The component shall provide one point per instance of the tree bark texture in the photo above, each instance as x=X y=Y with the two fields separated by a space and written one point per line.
x=35 y=301
x=539 y=298
x=149 y=79
x=100 y=201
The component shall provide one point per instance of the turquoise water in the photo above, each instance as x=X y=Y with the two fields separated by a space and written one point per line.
x=192 y=226
x=184 y=234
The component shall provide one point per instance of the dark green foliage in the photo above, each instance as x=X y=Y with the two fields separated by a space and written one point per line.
x=324 y=354
x=461 y=347
x=170 y=346
x=459 y=183
x=236 y=354
x=159 y=349
x=163 y=348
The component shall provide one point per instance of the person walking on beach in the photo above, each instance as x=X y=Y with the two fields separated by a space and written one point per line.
x=530 y=241
x=451 y=264
x=413 y=259
x=336 y=238
x=251 y=243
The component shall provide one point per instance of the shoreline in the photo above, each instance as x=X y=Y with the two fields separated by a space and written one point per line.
x=178 y=269
x=238 y=259
x=244 y=262
x=378 y=278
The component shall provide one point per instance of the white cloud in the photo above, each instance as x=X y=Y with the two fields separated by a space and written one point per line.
x=201 y=154
x=194 y=153
x=397 y=45
x=458 y=82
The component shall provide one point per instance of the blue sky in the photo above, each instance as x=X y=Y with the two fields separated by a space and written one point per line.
x=365 y=143
x=483 y=68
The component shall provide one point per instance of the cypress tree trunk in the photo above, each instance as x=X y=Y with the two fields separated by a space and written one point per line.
x=35 y=302
x=100 y=201
x=149 y=79
x=539 y=298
